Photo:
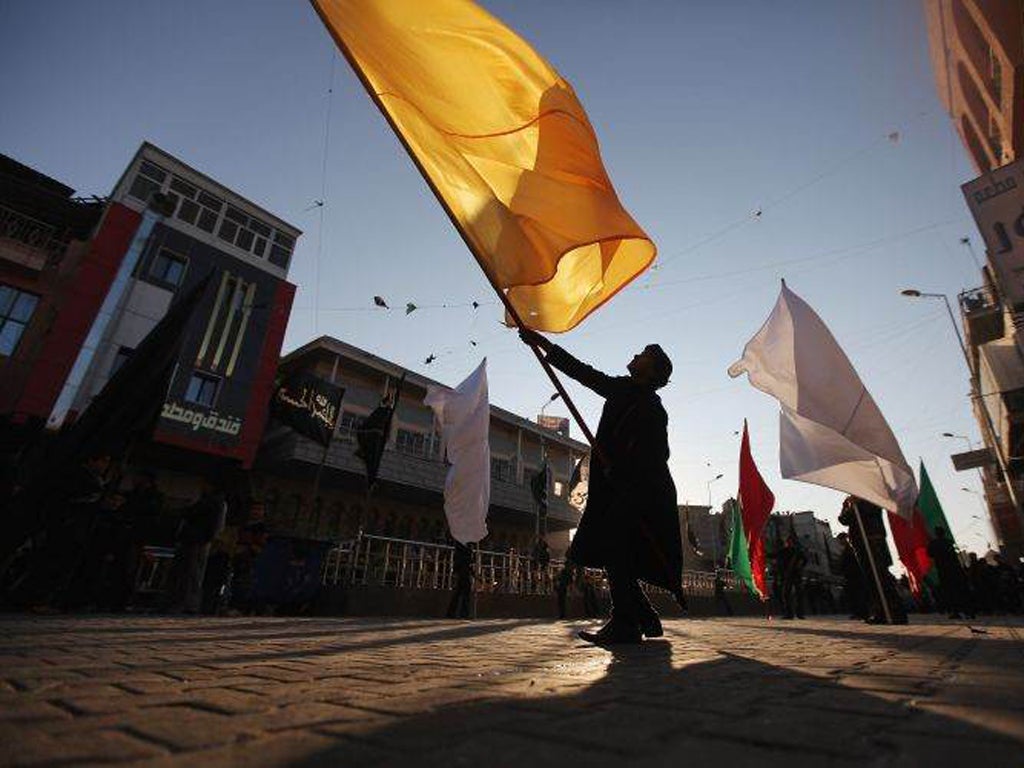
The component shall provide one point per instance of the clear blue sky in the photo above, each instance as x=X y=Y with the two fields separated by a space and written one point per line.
x=706 y=112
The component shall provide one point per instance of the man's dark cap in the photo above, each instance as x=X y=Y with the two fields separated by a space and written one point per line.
x=662 y=365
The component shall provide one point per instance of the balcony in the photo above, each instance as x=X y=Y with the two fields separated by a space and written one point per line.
x=28 y=241
x=423 y=476
x=983 y=315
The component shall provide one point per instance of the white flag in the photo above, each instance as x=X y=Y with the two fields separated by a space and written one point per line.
x=831 y=432
x=464 y=417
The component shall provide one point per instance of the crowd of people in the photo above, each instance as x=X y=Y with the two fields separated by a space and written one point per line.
x=89 y=554
x=87 y=549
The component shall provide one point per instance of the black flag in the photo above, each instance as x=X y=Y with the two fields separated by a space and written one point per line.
x=539 y=484
x=130 y=401
x=124 y=410
x=309 y=405
x=372 y=433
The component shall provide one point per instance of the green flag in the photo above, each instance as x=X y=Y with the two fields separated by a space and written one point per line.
x=931 y=509
x=738 y=558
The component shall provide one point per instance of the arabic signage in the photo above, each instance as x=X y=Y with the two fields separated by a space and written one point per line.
x=199 y=420
x=309 y=405
x=996 y=201
x=972 y=459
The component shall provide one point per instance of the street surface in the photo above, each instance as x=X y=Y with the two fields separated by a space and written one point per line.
x=356 y=692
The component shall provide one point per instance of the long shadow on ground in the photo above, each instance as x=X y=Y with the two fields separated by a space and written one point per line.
x=726 y=710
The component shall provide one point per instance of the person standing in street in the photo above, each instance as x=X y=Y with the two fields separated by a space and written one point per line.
x=868 y=540
x=200 y=524
x=630 y=526
x=792 y=561
x=462 y=567
x=953 y=586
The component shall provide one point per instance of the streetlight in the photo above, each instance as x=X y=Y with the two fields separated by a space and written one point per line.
x=965 y=438
x=549 y=401
x=913 y=293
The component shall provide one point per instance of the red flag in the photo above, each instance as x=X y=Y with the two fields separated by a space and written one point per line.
x=911 y=540
x=756 y=502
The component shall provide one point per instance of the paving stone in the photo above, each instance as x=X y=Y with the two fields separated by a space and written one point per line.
x=309 y=692
x=102 y=746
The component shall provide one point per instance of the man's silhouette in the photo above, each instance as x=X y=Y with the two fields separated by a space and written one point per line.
x=630 y=526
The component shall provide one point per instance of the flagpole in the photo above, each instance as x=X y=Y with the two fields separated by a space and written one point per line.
x=871 y=562
x=327 y=448
x=511 y=310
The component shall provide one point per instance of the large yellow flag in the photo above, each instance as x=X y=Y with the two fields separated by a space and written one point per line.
x=505 y=144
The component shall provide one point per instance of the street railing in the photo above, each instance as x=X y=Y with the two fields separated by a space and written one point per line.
x=384 y=561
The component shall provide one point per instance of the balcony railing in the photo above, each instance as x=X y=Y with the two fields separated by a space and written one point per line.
x=984 y=299
x=388 y=562
x=30 y=232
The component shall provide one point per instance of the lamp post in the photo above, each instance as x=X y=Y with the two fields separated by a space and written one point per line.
x=714 y=527
x=913 y=293
x=548 y=402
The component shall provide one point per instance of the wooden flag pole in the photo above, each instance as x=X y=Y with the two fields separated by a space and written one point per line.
x=874 y=566
x=511 y=310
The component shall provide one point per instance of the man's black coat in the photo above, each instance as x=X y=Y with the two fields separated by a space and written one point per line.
x=631 y=521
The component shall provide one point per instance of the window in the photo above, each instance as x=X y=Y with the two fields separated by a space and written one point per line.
x=202 y=389
x=559 y=487
x=122 y=356
x=281 y=250
x=410 y=442
x=16 y=308
x=168 y=267
x=348 y=424
x=228 y=231
x=997 y=76
x=501 y=469
x=149 y=179
x=995 y=137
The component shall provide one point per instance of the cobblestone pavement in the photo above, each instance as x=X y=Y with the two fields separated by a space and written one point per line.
x=355 y=692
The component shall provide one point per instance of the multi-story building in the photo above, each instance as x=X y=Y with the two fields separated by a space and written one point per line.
x=407 y=501
x=705 y=537
x=822 y=584
x=977 y=49
x=44 y=259
x=163 y=229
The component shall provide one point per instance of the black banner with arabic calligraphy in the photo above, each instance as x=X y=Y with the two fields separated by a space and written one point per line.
x=309 y=405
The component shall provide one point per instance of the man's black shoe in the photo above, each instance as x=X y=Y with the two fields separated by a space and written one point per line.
x=612 y=634
x=651 y=626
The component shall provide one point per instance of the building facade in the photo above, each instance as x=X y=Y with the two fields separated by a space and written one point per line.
x=164 y=228
x=705 y=537
x=407 y=501
x=46 y=258
x=977 y=50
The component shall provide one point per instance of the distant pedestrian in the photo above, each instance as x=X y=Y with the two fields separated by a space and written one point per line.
x=720 y=599
x=462 y=568
x=953 y=586
x=200 y=524
x=791 y=563
x=867 y=536
x=854 y=592
x=252 y=538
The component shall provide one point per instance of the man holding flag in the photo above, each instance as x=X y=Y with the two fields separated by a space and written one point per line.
x=630 y=526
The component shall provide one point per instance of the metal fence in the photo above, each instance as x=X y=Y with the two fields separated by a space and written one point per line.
x=401 y=563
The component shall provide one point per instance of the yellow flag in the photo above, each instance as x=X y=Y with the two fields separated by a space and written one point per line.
x=505 y=144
